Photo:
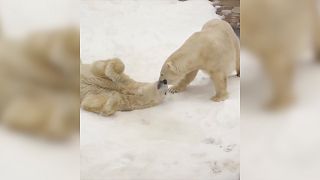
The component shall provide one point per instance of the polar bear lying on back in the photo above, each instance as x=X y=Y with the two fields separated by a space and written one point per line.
x=215 y=50
x=105 y=89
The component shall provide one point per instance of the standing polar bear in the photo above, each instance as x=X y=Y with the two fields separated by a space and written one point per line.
x=215 y=50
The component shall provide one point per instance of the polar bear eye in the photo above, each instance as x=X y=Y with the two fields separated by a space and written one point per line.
x=161 y=74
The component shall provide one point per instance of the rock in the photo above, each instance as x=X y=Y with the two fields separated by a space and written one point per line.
x=230 y=12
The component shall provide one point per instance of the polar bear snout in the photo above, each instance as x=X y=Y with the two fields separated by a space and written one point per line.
x=165 y=82
x=162 y=88
x=162 y=83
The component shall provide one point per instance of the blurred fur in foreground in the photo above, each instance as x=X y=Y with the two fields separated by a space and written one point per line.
x=281 y=144
x=278 y=31
x=39 y=78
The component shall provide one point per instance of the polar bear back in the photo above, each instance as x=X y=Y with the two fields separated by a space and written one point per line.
x=218 y=46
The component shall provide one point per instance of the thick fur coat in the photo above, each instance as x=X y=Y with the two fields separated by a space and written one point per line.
x=215 y=49
x=105 y=89
x=39 y=78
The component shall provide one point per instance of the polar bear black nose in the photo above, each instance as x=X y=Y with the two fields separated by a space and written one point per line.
x=165 y=81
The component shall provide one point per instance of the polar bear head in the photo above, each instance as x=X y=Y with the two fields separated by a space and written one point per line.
x=169 y=74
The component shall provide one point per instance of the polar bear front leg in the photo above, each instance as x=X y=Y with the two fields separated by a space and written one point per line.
x=220 y=84
x=182 y=85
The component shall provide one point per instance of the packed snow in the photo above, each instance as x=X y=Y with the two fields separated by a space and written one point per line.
x=188 y=136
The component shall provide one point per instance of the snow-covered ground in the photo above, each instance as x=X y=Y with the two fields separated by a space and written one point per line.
x=187 y=137
x=33 y=158
x=284 y=144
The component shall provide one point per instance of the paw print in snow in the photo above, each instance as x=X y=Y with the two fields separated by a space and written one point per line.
x=229 y=148
x=215 y=167
x=211 y=140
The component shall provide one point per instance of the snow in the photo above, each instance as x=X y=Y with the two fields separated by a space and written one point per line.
x=20 y=20
x=26 y=157
x=285 y=144
x=187 y=136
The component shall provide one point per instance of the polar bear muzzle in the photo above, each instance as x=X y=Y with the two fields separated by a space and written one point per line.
x=161 y=83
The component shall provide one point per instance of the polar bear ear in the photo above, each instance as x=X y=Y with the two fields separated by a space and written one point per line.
x=171 y=66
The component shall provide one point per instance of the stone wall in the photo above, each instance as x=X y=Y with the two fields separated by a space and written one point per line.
x=230 y=11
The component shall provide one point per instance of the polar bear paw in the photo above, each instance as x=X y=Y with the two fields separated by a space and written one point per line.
x=220 y=97
x=111 y=69
x=176 y=89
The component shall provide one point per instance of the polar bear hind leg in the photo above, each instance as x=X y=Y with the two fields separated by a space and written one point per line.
x=112 y=69
x=93 y=102
x=112 y=104
x=220 y=85
x=105 y=104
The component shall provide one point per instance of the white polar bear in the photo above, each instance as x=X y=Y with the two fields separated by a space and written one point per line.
x=215 y=50
x=105 y=89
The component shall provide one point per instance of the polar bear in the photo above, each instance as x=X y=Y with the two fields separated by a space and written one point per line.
x=215 y=50
x=105 y=89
